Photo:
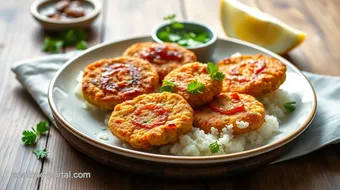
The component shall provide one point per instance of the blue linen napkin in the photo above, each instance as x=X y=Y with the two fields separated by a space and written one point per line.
x=35 y=76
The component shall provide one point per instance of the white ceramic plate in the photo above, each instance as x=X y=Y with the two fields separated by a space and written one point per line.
x=68 y=109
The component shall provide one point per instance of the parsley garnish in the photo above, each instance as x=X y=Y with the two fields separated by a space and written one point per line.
x=40 y=154
x=290 y=106
x=214 y=73
x=172 y=19
x=81 y=45
x=168 y=86
x=52 y=45
x=66 y=38
x=29 y=137
x=214 y=147
x=195 y=87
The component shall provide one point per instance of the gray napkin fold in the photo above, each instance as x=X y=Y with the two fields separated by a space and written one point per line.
x=35 y=76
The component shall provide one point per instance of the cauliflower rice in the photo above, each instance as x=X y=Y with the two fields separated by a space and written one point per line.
x=196 y=142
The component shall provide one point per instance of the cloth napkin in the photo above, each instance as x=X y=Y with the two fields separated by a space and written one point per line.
x=35 y=76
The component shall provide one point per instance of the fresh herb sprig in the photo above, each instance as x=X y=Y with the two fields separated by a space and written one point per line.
x=214 y=73
x=214 y=147
x=168 y=86
x=40 y=154
x=195 y=87
x=172 y=19
x=290 y=106
x=66 y=38
x=30 y=136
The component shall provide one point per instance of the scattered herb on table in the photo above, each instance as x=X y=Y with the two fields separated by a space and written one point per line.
x=290 y=106
x=214 y=73
x=81 y=45
x=214 y=147
x=52 y=45
x=176 y=33
x=30 y=136
x=40 y=154
x=195 y=87
x=168 y=86
x=66 y=38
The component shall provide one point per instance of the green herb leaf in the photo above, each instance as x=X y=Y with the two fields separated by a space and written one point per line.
x=40 y=154
x=28 y=137
x=202 y=37
x=81 y=45
x=104 y=129
x=52 y=45
x=195 y=87
x=290 y=106
x=163 y=35
x=73 y=36
x=170 y=18
x=214 y=147
x=42 y=127
x=214 y=73
x=177 y=25
x=219 y=76
x=167 y=86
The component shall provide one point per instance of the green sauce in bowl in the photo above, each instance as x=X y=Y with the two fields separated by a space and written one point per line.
x=183 y=37
x=176 y=32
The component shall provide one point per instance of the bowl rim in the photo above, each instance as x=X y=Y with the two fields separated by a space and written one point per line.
x=213 y=39
x=181 y=159
x=94 y=13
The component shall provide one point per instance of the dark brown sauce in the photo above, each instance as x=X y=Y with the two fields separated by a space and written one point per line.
x=66 y=9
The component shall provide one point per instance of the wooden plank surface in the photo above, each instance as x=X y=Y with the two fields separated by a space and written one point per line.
x=21 y=37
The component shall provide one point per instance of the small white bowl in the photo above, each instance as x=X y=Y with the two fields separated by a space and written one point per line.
x=204 y=51
x=39 y=6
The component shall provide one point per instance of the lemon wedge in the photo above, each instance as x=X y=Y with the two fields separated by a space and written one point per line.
x=250 y=24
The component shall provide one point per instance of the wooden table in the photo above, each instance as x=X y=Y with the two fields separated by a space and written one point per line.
x=21 y=37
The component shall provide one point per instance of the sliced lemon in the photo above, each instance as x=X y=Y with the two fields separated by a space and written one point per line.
x=250 y=24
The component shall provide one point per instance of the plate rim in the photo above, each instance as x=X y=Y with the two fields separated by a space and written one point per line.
x=181 y=159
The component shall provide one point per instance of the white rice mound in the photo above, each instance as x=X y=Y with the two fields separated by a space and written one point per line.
x=196 y=142
x=273 y=103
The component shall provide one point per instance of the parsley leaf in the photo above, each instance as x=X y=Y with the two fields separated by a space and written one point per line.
x=40 y=154
x=177 y=25
x=52 y=45
x=65 y=38
x=290 y=106
x=42 y=127
x=214 y=73
x=81 y=45
x=28 y=137
x=214 y=147
x=170 y=18
x=73 y=36
x=167 y=86
x=195 y=87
